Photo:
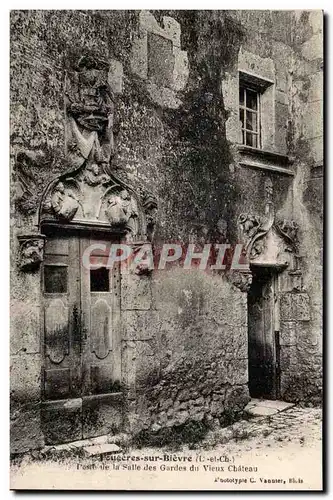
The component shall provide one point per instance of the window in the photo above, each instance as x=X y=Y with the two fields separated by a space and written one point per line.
x=99 y=280
x=256 y=111
x=249 y=115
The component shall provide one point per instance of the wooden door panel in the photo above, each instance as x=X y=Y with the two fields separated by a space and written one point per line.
x=256 y=339
x=100 y=298
x=57 y=246
x=57 y=383
x=62 y=419
x=100 y=325
x=61 y=291
x=56 y=314
x=267 y=366
x=101 y=378
x=261 y=336
x=99 y=255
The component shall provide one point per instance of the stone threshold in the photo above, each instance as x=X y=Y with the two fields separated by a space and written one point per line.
x=266 y=407
x=92 y=446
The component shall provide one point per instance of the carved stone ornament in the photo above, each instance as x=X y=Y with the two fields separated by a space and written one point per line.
x=89 y=110
x=28 y=181
x=241 y=279
x=150 y=206
x=255 y=230
x=288 y=229
x=250 y=225
x=89 y=193
x=64 y=202
x=31 y=251
x=122 y=210
x=93 y=197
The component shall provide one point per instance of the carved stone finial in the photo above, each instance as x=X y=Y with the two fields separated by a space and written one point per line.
x=31 y=251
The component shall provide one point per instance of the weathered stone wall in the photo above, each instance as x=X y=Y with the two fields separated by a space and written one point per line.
x=305 y=140
x=174 y=76
x=187 y=355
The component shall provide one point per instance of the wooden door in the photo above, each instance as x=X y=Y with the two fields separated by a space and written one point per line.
x=261 y=335
x=81 y=345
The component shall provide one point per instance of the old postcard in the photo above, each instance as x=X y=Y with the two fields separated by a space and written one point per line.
x=166 y=243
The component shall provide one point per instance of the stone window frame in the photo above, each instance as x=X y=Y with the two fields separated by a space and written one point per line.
x=264 y=89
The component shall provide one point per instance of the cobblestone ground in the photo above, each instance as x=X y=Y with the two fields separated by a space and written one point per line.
x=285 y=444
x=296 y=425
x=301 y=426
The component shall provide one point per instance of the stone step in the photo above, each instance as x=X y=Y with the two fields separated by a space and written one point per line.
x=78 y=444
x=260 y=411
x=101 y=449
x=121 y=439
x=266 y=407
